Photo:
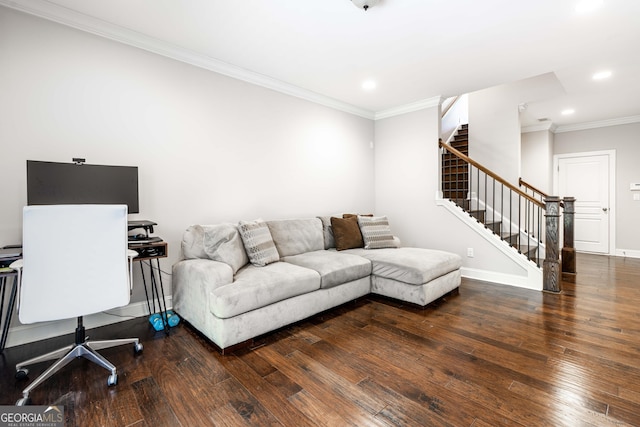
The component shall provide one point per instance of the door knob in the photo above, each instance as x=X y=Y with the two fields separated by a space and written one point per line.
x=605 y=209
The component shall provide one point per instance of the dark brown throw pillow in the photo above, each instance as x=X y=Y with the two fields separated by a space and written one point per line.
x=356 y=215
x=346 y=233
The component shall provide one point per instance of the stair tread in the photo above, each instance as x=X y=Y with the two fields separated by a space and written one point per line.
x=527 y=249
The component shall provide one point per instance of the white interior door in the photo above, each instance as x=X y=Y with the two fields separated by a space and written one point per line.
x=587 y=178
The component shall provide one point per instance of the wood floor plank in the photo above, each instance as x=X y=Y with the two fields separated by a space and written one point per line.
x=151 y=402
x=316 y=409
x=404 y=411
x=563 y=407
x=353 y=405
x=273 y=393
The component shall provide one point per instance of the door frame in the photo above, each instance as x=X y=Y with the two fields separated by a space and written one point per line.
x=612 y=186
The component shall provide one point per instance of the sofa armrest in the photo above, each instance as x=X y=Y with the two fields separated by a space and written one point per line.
x=193 y=281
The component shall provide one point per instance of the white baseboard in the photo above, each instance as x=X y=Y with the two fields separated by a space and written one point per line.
x=23 y=334
x=502 y=278
x=629 y=253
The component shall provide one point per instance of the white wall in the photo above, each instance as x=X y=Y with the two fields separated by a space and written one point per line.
x=494 y=121
x=537 y=159
x=209 y=148
x=624 y=139
x=406 y=164
x=494 y=131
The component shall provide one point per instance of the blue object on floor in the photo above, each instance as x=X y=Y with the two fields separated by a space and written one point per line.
x=158 y=321
x=172 y=318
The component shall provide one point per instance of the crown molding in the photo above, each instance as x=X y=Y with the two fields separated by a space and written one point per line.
x=580 y=126
x=52 y=12
x=409 y=108
x=548 y=126
x=598 y=124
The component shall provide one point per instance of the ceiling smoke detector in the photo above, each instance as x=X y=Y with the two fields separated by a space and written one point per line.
x=364 y=4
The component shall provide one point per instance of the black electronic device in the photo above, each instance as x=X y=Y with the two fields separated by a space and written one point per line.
x=9 y=254
x=154 y=249
x=145 y=224
x=52 y=183
x=141 y=239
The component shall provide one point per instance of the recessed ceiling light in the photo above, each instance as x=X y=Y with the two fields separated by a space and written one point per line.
x=368 y=85
x=602 y=75
x=587 y=6
x=568 y=111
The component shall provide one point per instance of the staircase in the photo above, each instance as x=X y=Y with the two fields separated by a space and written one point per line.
x=460 y=174
x=455 y=174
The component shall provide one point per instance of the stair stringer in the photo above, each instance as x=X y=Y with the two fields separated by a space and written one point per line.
x=522 y=234
x=533 y=278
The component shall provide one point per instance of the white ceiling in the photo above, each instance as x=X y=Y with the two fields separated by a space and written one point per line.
x=414 y=49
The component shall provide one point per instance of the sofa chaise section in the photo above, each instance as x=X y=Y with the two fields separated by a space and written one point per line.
x=414 y=275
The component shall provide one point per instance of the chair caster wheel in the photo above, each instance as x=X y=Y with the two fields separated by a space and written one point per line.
x=22 y=374
x=24 y=401
x=137 y=349
x=112 y=380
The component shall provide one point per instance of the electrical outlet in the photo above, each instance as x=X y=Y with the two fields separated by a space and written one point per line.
x=469 y=252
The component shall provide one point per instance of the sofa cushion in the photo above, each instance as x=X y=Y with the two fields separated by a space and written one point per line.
x=193 y=243
x=258 y=243
x=256 y=287
x=296 y=236
x=334 y=268
x=223 y=243
x=327 y=230
x=414 y=266
x=346 y=233
x=376 y=232
x=220 y=242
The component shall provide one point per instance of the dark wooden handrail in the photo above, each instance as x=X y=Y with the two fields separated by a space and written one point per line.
x=491 y=174
x=523 y=183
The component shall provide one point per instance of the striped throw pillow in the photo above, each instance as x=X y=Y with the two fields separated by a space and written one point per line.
x=376 y=232
x=258 y=243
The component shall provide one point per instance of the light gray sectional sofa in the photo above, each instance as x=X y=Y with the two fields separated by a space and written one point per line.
x=238 y=281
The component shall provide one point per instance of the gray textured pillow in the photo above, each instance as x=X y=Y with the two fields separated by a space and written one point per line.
x=192 y=246
x=258 y=243
x=376 y=232
x=222 y=242
x=327 y=230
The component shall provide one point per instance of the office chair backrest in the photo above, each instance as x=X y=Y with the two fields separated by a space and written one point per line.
x=74 y=261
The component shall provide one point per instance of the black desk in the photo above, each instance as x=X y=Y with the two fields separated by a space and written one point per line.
x=5 y=277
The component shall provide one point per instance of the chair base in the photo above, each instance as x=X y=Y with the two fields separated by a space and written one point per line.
x=66 y=354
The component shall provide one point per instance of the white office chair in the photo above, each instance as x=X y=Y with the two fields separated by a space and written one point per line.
x=75 y=262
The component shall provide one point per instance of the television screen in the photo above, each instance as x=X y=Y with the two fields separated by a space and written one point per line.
x=51 y=183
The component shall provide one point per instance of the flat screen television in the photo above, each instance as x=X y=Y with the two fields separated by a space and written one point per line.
x=51 y=183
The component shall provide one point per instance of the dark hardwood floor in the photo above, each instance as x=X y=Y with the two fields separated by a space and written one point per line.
x=488 y=356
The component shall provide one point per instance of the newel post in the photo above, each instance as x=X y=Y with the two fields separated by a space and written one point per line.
x=551 y=265
x=568 y=251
